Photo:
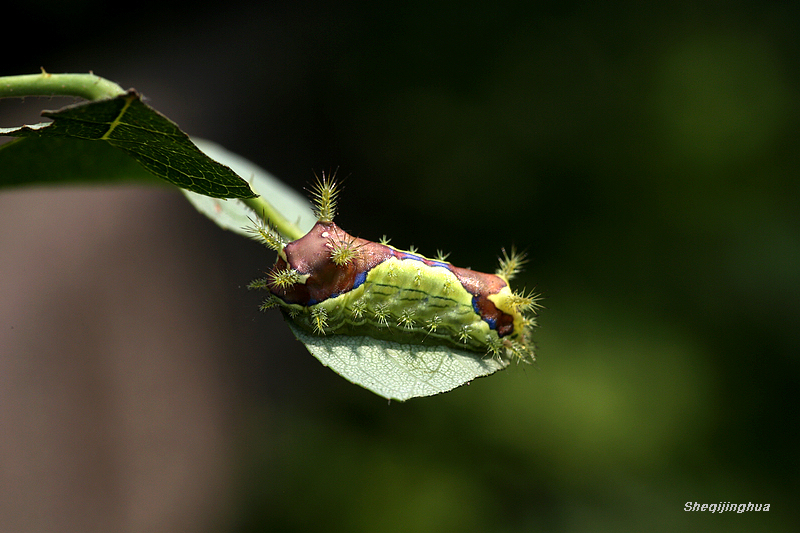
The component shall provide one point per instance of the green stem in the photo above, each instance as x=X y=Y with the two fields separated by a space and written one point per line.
x=86 y=86
x=268 y=213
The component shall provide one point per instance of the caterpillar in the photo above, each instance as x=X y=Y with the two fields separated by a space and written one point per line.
x=329 y=282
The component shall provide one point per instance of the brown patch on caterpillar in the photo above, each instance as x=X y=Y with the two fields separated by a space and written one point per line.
x=504 y=323
x=311 y=255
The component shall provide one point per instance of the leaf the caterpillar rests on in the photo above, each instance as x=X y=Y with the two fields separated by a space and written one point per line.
x=331 y=283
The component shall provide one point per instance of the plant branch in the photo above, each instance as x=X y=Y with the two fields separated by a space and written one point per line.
x=87 y=86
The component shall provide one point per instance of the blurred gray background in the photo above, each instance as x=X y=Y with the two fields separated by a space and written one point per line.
x=645 y=155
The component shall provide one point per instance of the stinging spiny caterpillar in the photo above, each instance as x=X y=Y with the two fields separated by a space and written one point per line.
x=329 y=282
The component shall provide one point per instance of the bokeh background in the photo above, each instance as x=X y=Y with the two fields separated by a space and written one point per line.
x=644 y=154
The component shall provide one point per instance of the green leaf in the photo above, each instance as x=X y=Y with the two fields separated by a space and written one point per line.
x=397 y=371
x=66 y=161
x=157 y=143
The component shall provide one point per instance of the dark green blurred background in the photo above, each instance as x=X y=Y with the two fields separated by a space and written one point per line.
x=646 y=157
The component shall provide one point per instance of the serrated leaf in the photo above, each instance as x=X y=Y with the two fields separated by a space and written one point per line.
x=397 y=371
x=158 y=144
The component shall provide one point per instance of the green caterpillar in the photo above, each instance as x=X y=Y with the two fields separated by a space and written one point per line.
x=329 y=282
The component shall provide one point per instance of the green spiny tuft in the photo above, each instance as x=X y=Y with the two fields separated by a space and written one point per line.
x=510 y=265
x=358 y=308
x=269 y=303
x=319 y=319
x=406 y=319
x=529 y=322
x=520 y=351
x=463 y=334
x=283 y=278
x=441 y=256
x=266 y=234
x=447 y=286
x=343 y=251
x=324 y=193
x=433 y=323
x=384 y=240
x=525 y=302
x=381 y=312
x=495 y=346
x=392 y=272
x=418 y=278
x=256 y=284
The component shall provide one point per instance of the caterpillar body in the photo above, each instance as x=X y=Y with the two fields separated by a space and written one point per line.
x=329 y=282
